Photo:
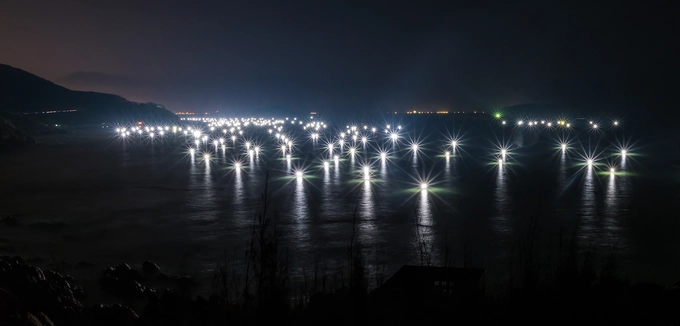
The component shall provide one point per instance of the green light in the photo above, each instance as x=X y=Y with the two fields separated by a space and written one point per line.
x=498 y=115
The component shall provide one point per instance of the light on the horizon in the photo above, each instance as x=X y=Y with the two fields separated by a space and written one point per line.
x=564 y=147
x=423 y=186
x=298 y=174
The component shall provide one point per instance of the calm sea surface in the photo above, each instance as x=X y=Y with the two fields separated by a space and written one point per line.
x=92 y=196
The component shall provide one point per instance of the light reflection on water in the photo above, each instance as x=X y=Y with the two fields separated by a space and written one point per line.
x=588 y=205
x=503 y=201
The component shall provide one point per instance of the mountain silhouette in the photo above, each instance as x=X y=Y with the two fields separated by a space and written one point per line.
x=24 y=93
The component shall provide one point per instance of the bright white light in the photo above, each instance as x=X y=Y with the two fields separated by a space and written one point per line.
x=549 y=124
x=564 y=147
x=325 y=164
x=352 y=150
x=500 y=161
x=237 y=165
x=364 y=140
x=447 y=153
x=341 y=142
x=616 y=123
x=250 y=152
x=423 y=186
x=336 y=157
x=399 y=127
x=591 y=122
x=247 y=145
x=288 y=156
x=342 y=135
x=520 y=122
x=192 y=151
x=624 y=152
x=383 y=155
x=206 y=156
x=595 y=126
x=257 y=149
x=568 y=125
x=394 y=136
x=373 y=129
x=590 y=162
x=151 y=134
x=414 y=147
x=454 y=143
x=298 y=174
x=612 y=170
x=504 y=151
x=503 y=122
x=388 y=126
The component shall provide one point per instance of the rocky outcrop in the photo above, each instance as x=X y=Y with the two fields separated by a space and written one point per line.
x=28 y=293
x=122 y=280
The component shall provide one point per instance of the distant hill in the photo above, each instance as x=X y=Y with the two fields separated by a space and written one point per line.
x=24 y=93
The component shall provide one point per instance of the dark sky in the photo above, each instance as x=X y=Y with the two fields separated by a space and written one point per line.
x=259 y=56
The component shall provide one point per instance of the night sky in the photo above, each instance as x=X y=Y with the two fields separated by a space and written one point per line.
x=295 y=56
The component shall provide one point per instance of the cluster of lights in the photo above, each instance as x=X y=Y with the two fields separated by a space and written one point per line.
x=215 y=131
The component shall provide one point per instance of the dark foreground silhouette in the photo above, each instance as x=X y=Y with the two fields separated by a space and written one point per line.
x=563 y=287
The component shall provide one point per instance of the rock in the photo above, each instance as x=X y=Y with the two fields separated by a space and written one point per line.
x=150 y=267
x=122 y=280
x=40 y=291
x=112 y=314
x=162 y=277
x=44 y=320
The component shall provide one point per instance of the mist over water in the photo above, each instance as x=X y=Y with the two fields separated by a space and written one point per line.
x=130 y=200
